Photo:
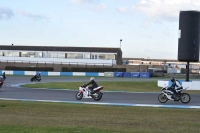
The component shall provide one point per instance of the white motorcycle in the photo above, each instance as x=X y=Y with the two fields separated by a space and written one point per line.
x=167 y=94
x=85 y=92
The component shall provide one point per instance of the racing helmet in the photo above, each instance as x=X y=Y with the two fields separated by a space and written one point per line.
x=92 y=78
x=172 y=79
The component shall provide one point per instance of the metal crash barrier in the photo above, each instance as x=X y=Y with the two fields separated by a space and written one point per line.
x=133 y=74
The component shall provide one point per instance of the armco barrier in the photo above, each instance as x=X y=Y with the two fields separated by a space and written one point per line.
x=106 y=74
x=118 y=74
x=43 y=73
x=109 y=74
x=127 y=74
x=145 y=75
x=135 y=74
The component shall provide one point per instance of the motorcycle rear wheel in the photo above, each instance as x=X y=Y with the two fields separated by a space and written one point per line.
x=185 y=98
x=79 y=95
x=98 y=97
x=162 y=98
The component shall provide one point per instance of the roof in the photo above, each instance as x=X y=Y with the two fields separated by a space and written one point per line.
x=143 y=59
x=61 y=48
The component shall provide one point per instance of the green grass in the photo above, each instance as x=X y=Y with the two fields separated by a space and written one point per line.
x=38 y=117
x=110 y=86
x=117 y=86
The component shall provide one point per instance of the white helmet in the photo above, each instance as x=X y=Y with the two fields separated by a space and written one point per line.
x=92 y=78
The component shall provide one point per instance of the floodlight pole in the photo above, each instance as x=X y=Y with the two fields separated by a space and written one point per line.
x=120 y=43
x=188 y=71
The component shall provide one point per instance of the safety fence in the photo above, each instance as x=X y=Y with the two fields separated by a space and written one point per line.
x=106 y=74
x=128 y=74
x=44 y=73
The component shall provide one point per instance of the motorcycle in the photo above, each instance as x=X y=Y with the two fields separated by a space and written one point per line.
x=34 y=78
x=85 y=92
x=1 y=83
x=167 y=94
x=4 y=78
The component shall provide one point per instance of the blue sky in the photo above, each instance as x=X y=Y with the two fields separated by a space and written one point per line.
x=148 y=28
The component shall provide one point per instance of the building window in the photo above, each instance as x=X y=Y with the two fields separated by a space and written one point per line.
x=61 y=55
x=45 y=55
x=53 y=55
x=74 y=56
x=32 y=54
x=39 y=54
x=8 y=54
x=94 y=56
x=110 y=56
x=15 y=54
x=86 y=56
x=1 y=54
x=24 y=54
x=102 y=56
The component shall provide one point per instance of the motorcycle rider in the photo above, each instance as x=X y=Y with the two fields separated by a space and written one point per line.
x=38 y=75
x=4 y=75
x=94 y=84
x=176 y=85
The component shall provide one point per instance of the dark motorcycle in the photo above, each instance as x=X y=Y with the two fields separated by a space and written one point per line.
x=167 y=94
x=34 y=78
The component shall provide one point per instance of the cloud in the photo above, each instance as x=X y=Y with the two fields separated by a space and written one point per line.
x=83 y=1
x=100 y=7
x=93 y=5
x=165 y=10
x=33 y=16
x=6 y=13
x=122 y=9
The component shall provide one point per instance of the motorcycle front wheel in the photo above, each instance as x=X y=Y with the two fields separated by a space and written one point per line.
x=185 y=98
x=98 y=96
x=79 y=95
x=162 y=98
x=31 y=79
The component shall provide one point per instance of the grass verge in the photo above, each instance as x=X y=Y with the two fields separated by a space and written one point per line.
x=109 y=86
x=37 y=117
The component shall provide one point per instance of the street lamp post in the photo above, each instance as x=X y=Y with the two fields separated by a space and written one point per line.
x=120 y=43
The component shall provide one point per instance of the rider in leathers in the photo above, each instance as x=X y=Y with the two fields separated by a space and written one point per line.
x=94 y=84
x=4 y=75
x=38 y=76
x=176 y=85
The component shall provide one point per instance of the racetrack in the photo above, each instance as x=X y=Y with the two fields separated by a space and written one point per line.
x=111 y=98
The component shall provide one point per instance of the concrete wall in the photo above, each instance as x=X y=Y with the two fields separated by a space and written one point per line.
x=58 y=67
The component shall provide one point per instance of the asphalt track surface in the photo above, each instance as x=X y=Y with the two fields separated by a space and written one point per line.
x=10 y=91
